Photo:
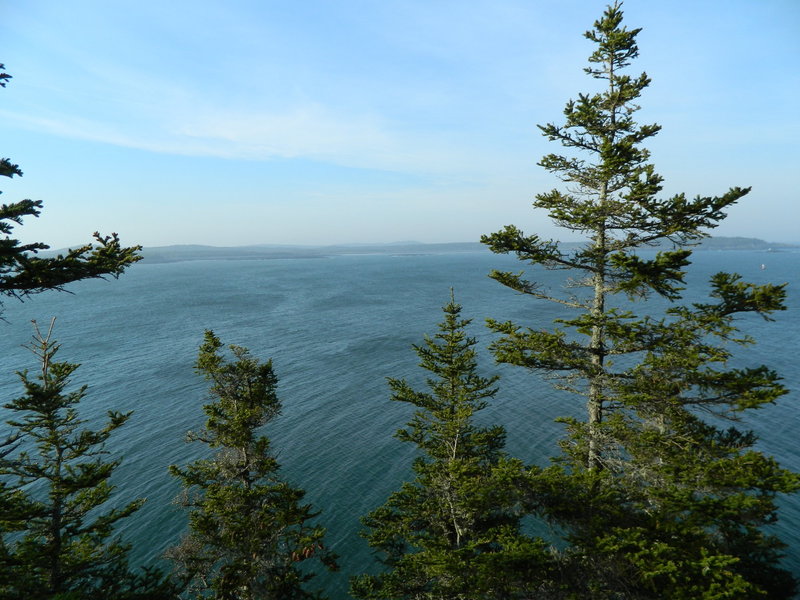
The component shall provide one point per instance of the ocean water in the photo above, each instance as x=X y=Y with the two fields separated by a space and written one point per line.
x=335 y=329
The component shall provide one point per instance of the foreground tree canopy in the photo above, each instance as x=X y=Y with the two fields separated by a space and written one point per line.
x=455 y=531
x=248 y=529
x=23 y=273
x=56 y=531
x=655 y=500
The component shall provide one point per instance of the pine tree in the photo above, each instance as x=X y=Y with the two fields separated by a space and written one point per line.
x=248 y=529
x=656 y=501
x=57 y=536
x=454 y=532
x=22 y=273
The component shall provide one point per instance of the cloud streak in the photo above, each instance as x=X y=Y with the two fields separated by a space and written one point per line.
x=190 y=126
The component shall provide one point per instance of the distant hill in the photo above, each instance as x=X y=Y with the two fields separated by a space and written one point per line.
x=741 y=243
x=163 y=254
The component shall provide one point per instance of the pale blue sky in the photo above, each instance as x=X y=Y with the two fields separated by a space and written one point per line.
x=256 y=121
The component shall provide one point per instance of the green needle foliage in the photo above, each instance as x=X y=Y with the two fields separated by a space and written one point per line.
x=22 y=273
x=57 y=536
x=659 y=493
x=22 y=516
x=454 y=532
x=248 y=530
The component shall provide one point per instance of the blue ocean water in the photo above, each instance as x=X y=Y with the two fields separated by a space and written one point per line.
x=335 y=328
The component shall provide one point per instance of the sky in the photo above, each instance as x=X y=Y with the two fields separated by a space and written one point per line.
x=358 y=121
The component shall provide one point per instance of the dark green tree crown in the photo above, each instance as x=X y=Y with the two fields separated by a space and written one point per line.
x=55 y=486
x=654 y=500
x=612 y=193
x=22 y=273
x=454 y=531
x=248 y=528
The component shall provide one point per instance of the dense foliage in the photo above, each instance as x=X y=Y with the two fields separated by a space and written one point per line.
x=248 y=529
x=56 y=528
x=669 y=504
x=454 y=532
x=23 y=273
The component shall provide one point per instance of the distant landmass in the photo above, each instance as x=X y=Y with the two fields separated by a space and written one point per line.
x=742 y=243
x=164 y=254
x=261 y=252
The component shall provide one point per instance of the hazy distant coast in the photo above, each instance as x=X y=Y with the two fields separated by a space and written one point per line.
x=165 y=254
x=198 y=252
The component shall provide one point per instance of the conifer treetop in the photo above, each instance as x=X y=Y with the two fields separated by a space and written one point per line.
x=23 y=273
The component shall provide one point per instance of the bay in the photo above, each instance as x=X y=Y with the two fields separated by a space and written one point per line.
x=335 y=328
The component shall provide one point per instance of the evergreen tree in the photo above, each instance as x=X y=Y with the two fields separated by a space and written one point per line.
x=22 y=273
x=454 y=532
x=656 y=501
x=57 y=536
x=248 y=530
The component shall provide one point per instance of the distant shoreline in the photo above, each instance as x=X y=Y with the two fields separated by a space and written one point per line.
x=164 y=254
x=194 y=252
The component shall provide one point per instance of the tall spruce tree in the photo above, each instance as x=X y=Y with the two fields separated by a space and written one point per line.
x=57 y=531
x=23 y=273
x=454 y=532
x=655 y=500
x=248 y=529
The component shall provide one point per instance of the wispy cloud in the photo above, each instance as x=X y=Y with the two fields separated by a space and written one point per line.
x=186 y=124
x=310 y=131
x=274 y=85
